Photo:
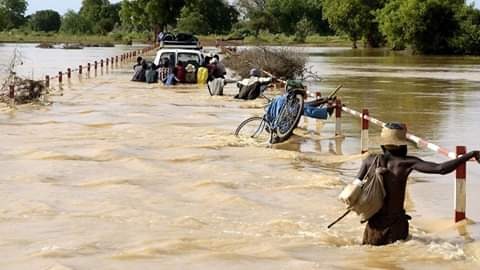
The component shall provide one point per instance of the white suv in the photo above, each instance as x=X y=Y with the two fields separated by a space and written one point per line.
x=186 y=56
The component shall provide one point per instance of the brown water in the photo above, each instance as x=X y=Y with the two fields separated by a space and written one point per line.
x=120 y=175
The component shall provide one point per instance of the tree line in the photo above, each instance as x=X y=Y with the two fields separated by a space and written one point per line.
x=425 y=26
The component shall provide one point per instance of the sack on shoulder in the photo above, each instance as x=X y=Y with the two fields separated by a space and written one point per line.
x=368 y=199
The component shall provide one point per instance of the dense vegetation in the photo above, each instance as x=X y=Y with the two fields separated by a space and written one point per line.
x=424 y=26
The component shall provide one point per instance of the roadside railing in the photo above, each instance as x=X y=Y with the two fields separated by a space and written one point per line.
x=107 y=62
x=461 y=171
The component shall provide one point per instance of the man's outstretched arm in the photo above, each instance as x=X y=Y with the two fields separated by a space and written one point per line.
x=445 y=167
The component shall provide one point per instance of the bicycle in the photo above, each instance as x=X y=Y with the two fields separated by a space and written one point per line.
x=279 y=127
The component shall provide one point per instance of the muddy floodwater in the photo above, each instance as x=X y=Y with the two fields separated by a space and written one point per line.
x=112 y=174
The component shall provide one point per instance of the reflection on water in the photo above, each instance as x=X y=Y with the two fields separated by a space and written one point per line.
x=115 y=174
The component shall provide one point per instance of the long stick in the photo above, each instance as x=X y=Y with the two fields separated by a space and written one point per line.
x=338 y=219
x=334 y=92
x=271 y=75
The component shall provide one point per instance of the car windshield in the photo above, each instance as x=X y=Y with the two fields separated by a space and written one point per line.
x=189 y=58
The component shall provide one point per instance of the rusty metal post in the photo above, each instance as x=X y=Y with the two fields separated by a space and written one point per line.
x=338 y=117
x=460 y=187
x=11 y=93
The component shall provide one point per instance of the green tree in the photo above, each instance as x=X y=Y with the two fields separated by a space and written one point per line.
x=355 y=18
x=428 y=26
x=468 y=40
x=91 y=9
x=74 y=23
x=12 y=13
x=256 y=16
x=152 y=15
x=215 y=16
x=288 y=13
x=102 y=14
x=283 y=16
x=192 y=21
x=46 y=20
x=304 y=28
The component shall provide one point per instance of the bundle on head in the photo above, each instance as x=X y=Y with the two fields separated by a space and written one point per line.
x=281 y=62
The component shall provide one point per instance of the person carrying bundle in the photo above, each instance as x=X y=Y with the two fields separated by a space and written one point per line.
x=378 y=193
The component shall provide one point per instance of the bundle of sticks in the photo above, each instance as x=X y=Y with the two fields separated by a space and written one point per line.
x=282 y=62
x=18 y=89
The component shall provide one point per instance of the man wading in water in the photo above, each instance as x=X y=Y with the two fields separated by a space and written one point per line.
x=390 y=223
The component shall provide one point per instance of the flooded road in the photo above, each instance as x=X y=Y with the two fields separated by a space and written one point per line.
x=121 y=175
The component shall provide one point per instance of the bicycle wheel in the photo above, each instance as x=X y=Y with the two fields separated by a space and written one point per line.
x=288 y=118
x=254 y=127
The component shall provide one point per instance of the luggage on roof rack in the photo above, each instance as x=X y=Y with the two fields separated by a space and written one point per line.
x=181 y=41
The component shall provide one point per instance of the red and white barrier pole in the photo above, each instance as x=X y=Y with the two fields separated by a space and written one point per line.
x=419 y=141
x=364 y=132
x=460 y=187
x=338 y=117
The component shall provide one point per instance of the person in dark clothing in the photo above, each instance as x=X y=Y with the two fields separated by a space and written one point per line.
x=164 y=70
x=139 y=70
x=211 y=66
x=390 y=223
x=180 y=72
x=151 y=73
x=220 y=71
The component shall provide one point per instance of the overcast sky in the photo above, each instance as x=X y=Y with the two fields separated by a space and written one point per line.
x=63 y=5
x=59 y=5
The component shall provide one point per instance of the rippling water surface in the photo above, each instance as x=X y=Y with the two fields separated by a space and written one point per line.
x=113 y=174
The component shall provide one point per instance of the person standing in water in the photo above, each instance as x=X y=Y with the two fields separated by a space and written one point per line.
x=390 y=223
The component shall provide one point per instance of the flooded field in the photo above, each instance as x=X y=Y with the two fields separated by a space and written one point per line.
x=113 y=174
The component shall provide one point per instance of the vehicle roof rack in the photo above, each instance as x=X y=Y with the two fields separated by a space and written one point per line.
x=180 y=45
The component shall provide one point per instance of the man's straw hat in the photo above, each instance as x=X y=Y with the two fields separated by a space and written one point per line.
x=394 y=134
